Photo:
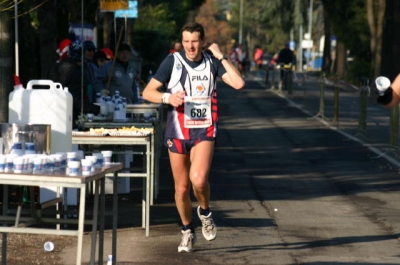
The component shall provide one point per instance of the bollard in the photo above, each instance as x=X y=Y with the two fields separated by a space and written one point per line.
x=394 y=127
x=336 y=105
x=290 y=81
x=362 y=119
x=279 y=80
x=273 y=77
x=321 y=100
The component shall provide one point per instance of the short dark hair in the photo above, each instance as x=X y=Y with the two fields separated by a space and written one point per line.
x=194 y=27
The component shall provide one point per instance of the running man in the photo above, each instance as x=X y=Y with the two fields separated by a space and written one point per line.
x=190 y=79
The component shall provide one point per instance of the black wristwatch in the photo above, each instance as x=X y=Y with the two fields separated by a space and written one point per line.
x=223 y=58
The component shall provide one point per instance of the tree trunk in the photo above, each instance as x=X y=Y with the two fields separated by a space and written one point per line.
x=327 y=59
x=47 y=37
x=375 y=15
x=7 y=63
x=341 y=60
x=391 y=41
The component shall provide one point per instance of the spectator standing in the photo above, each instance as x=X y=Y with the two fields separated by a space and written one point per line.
x=241 y=59
x=233 y=57
x=177 y=47
x=69 y=73
x=258 y=54
x=121 y=76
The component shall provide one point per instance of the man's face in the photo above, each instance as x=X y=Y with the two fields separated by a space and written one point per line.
x=124 y=56
x=89 y=54
x=192 y=44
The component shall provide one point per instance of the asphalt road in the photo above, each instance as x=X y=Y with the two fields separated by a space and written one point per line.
x=287 y=188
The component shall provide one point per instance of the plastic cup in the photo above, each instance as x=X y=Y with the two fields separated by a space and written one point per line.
x=86 y=166
x=90 y=117
x=57 y=161
x=94 y=160
x=3 y=161
x=382 y=83
x=38 y=164
x=106 y=157
x=73 y=167
x=99 y=162
x=48 y=246
x=18 y=164
x=71 y=156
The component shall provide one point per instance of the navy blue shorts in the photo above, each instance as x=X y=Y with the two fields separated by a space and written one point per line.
x=183 y=146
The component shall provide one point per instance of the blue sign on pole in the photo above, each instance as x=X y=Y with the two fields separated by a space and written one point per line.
x=131 y=12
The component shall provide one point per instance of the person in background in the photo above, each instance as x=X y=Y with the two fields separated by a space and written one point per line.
x=99 y=60
x=109 y=53
x=62 y=49
x=258 y=54
x=68 y=72
x=241 y=59
x=233 y=57
x=121 y=77
x=285 y=57
x=190 y=78
x=176 y=47
x=89 y=48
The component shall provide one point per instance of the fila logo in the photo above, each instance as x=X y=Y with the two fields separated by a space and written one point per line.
x=199 y=78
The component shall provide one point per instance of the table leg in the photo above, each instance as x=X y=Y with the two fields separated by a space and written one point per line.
x=4 y=249
x=102 y=220
x=115 y=218
x=81 y=220
x=4 y=237
x=94 y=222
x=148 y=188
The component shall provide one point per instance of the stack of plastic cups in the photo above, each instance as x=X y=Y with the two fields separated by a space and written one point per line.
x=3 y=160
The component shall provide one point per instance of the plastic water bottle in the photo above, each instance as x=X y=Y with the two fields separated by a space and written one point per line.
x=109 y=260
x=30 y=148
x=99 y=98
x=111 y=107
x=17 y=149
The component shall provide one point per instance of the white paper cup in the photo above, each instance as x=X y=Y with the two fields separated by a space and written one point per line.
x=71 y=156
x=18 y=164
x=382 y=83
x=9 y=162
x=38 y=164
x=48 y=246
x=99 y=161
x=86 y=166
x=73 y=167
x=3 y=161
x=57 y=161
x=107 y=157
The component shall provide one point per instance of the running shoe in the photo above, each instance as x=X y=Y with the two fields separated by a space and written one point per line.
x=188 y=240
x=209 y=228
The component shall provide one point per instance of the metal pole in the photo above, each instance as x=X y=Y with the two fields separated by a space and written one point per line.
x=16 y=38
x=82 y=59
x=309 y=32
x=241 y=22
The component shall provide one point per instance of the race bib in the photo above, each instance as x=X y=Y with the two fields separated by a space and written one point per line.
x=197 y=112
